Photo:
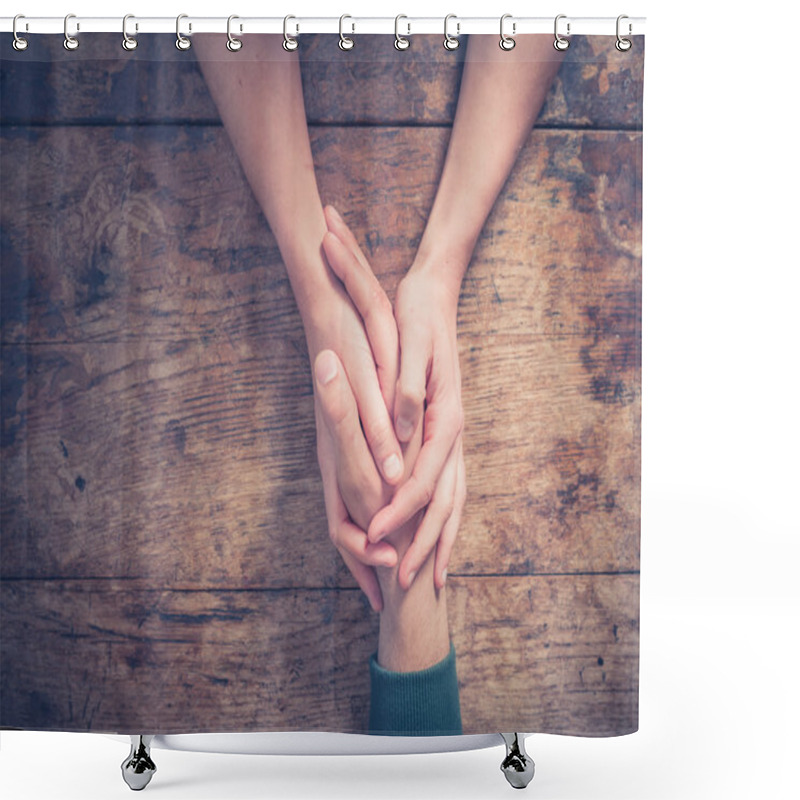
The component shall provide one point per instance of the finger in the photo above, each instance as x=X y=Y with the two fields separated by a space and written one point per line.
x=371 y=302
x=367 y=580
x=376 y=421
x=341 y=413
x=336 y=512
x=336 y=224
x=338 y=406
x=436 y=517
x=336 y=400
x=441 y=432
x=353 y=269
x=446 y=541
x=352 y=540
x=343 y=533
x=374 y=307
x=409 y=398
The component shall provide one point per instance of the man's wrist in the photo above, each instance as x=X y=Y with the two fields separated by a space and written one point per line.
x=413 y=631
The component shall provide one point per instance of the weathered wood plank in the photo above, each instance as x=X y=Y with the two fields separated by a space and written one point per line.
x=373 y=84
x=195 y=462
x=552 y=456
x=157 y=426
x=558 y=654
x=561 y=652
x=159 y=236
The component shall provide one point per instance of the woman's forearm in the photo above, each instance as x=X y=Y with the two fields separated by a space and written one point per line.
x=258 y=93
x=501 y=95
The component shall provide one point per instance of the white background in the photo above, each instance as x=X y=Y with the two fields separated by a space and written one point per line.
x=720 y=599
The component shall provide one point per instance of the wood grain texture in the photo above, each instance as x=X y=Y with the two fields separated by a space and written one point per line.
x=162 y=239
x=109 y=656
x=183 y=350
x=597 y=86
x=162 y=517
x=195 y=463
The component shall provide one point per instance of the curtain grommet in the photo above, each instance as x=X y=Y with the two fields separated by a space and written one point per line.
x=623 y=45
x=507 y=42
x=70 y=42
x=560 y=43
x=450 y=42
x=233 y=44
x=128 y=42
x=19 y=44
x=182 y=42
x=345 y=42
x=401 y=42
x=289 y=42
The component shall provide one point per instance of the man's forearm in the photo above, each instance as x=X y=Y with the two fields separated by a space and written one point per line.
x=413 y=633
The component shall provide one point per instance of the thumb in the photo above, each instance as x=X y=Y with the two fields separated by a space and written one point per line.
x=336 y=401
x=409 y=397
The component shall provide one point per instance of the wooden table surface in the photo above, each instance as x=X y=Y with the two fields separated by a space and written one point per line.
x=165 y=560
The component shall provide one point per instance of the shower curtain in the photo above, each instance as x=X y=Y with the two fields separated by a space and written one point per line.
x=232 y=411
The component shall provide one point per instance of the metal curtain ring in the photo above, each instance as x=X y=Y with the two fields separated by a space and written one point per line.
x=289 y=42
x=400 y=42
x=450 y=42
x=560 y=42
x=506 y=42
x=623 y=45
x=19 y=43
x=345 y=43
x=182 y=43
x=233 y=44
x=128 y=42
x=70 y=42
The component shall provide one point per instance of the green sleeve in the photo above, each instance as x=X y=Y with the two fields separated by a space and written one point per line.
x=423 y=703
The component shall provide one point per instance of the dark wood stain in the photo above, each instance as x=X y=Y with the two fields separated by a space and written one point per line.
x=157 y=427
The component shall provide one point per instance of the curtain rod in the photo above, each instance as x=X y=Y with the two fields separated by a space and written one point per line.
x=296 y=26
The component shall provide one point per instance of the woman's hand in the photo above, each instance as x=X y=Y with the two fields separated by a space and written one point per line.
x=498 y=101
x=336 y=328
x=428 y=395
x=275 y=153
x=369 y=363
x=345 y=461
x=426 y=315
x=354 y=353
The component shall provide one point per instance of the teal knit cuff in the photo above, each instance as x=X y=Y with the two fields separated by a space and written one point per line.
x=423 y=703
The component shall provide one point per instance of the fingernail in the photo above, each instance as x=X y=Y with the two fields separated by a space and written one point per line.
x=375 y=534
x=404 y=428
x=335 y=212
x=411 y=579
x=391 y=467
x=326 y=369
x=388 y=556
x=444 y=577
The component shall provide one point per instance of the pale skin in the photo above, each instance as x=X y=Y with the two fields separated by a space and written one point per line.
x=413 y=631
x=278 y=165
x=501 y=96
x=394 y=492
x=261 y=105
